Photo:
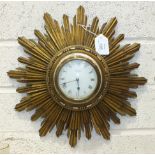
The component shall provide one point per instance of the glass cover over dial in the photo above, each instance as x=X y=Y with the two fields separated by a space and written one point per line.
x=77 y=79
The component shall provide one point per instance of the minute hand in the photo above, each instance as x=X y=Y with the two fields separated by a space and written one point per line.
x=67 y=82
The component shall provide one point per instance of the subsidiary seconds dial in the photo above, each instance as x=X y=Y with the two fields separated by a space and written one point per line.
x=77 y=79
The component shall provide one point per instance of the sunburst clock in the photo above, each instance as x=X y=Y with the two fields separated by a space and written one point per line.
x=71 y=86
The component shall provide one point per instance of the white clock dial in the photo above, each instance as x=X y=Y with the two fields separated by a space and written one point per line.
x=77 y=79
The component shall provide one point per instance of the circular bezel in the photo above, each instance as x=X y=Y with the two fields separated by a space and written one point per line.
x=72 y=53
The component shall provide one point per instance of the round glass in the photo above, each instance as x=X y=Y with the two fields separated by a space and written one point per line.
x=77 y=79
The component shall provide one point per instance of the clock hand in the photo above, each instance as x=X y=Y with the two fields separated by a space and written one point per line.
x=67 y=82
x=78 y=88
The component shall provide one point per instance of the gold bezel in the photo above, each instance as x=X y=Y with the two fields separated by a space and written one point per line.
x=71 y=53
x=77 y=56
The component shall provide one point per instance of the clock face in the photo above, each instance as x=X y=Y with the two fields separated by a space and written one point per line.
x=77 y=79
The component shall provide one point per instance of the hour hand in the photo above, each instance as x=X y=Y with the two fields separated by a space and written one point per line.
x=78 y=87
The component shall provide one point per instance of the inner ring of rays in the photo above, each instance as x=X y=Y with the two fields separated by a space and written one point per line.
x=111 y=97
x=82 y=53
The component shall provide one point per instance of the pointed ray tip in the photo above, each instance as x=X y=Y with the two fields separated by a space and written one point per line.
x=114 y=18
x=8 y=73
x=19 y=58
x=41 y=134
x=17 y=89
x=108 y=137
x=33 y=118
x=46 y=14
x=20 y=38
x=80 y=7
x=17 y=108
x=96 y=18
x=57 y=134
x=122 y=35
x=135 y=113
x=36 y=31
x=145 y=80
x=118 y=121
x=138 y=46
x=64 y=16
x=72 y=145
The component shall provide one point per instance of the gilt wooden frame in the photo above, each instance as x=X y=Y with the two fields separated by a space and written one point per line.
x=68 y=37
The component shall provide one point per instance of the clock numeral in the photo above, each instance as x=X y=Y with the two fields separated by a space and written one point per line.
x=91 y=71
x=85 y=65
x=69 y=92
x=92 y=79
x=64 y=85
x=62 y=78
x=69 y=66
x=90 y=87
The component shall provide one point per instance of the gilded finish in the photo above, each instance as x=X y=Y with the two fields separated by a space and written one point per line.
x=61 y=44
x=75 y=52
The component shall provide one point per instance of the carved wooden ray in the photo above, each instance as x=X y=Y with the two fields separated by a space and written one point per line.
x=34 y=76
